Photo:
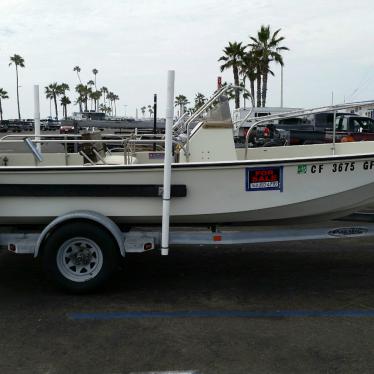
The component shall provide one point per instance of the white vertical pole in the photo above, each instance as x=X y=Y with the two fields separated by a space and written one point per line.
x=167 y=163
x=37 y=116
x=333 y=132
x=281 y=86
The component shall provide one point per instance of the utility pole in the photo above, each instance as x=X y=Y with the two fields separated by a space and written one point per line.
x=37 y=116
x=154 y=119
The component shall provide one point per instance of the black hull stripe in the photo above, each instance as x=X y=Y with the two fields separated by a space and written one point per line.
x=191 y=165
x=88 y=190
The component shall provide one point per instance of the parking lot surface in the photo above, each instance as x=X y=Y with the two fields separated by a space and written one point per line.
x=304 y=307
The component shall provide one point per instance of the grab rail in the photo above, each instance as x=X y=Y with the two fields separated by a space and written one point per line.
x=306 y=112
x=179 y=124
x=64 y=136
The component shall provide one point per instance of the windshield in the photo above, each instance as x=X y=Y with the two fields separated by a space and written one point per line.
x=354 y=124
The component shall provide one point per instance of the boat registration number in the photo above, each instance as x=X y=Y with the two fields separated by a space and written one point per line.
x=264 y=179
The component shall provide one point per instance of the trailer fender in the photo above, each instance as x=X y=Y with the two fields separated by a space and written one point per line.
x=86 y=215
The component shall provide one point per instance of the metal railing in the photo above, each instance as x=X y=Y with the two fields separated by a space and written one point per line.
x=179 y=126
x=125 y=144
x=108 y=136
x=307 y=112
x=133 y=138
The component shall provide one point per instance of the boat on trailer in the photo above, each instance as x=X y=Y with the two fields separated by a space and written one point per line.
x=212 y=181
x=80 y=211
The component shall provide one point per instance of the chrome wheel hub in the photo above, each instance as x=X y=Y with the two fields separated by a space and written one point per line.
x=79 y=259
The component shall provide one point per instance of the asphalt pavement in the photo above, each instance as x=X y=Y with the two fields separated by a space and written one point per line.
x=301 y=307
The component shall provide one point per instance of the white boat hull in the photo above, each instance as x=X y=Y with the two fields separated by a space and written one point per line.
x=308 y=190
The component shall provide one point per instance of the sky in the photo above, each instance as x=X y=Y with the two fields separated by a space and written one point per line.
x=133 y=43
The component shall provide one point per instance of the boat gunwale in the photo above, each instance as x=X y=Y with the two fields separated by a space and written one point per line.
x=188 y=165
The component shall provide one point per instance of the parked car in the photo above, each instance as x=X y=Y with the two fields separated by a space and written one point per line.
x=4 y=126
x=51 y=125
x=319 y=128
x=307 y=130
x=15 y=126
x=67 y=129
x=352 y=128
x=27 y=125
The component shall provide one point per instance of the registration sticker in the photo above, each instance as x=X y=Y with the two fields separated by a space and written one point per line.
x=264 y=179
x=156 y=155
x=302 y=169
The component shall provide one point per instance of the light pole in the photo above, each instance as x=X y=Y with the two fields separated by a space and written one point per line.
x=19 y=112
x=125 y=106
x=281 y=86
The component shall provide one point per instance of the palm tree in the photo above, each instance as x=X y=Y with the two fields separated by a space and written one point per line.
x=104 y=91
x=52 y=92
x=267 y=48
x=90 y=84
x=200 y=100
x=83 y=92
x=3 y=95
x=259 y=69
x=63 y=88
x=17 y=60
x=95 y=96
x=94 y=72
x=104 y=108
x=65 y=101
x=233 y=59
x=78 y=70
x=80 y=101
x=150 y=110
x=249 y=70
x=115 y=98
x=143 y=109
x=110 y=97
x=182 y=102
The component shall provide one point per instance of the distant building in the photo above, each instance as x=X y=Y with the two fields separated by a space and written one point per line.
x=366 y=112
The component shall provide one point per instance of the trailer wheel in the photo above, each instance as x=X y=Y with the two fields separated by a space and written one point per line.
x=80 y=256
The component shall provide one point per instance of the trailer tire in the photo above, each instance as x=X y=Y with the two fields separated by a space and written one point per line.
x=80 y=256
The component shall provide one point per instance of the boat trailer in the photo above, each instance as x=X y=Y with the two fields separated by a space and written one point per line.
x=143 y=239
